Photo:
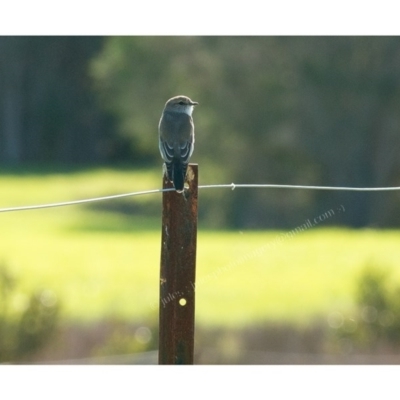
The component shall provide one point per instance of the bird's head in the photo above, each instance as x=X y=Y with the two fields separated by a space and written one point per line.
x=180 y=104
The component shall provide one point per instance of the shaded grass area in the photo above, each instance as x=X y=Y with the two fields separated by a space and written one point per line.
x=102 y=260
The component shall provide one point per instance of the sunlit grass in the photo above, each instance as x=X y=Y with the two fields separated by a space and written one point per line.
x=102 y=260
x=311 y=274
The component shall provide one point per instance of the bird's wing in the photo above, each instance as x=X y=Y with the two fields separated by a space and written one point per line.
x=166 y=150
x=176 y=136
x=186 y=151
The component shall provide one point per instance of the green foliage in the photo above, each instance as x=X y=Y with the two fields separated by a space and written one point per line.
x=310 y=110
x=300 y=110
x=26 y=321
x=376 y=320
x=125 y=338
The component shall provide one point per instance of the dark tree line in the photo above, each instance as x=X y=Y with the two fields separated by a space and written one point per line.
x=300 y=110
x=48 y=110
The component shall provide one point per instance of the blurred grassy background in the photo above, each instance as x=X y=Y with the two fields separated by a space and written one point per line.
x=102 y=259
x=78 y=119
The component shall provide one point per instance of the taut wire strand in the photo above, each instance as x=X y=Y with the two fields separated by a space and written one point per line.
x=276 y=186
x=230 y=186
x=70 y=203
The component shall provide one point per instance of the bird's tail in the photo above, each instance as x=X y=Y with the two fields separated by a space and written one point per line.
x=176 y=173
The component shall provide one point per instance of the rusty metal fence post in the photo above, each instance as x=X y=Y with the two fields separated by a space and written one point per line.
x=178 y=272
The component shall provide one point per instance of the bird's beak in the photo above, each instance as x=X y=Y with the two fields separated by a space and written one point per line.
x=194 y=103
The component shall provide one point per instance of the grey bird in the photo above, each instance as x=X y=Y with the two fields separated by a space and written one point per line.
x=176 y=134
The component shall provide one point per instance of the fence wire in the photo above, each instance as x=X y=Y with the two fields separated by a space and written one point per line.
x=231 y=186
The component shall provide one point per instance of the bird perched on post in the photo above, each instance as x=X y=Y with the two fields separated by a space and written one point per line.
x=176 y=134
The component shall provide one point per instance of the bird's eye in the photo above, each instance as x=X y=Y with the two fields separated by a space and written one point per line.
x=181 y=103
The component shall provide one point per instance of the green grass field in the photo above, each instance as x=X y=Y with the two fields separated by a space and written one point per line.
x=102 y=260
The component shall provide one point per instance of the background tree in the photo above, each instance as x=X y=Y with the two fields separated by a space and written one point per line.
x=48 y=110
x=282 y=110
x=299 y=110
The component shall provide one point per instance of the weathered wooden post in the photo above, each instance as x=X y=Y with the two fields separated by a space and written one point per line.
x=178 y=272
